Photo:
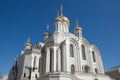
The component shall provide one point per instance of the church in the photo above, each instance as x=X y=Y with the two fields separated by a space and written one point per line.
x=62 y=56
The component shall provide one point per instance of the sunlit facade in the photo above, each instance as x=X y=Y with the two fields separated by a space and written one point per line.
x=62 y=56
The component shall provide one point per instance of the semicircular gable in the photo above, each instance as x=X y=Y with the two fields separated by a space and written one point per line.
x=85 y=42
x=73 y=41
x=94 y=48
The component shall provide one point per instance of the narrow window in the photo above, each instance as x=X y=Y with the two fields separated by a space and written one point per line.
x=71 y=51
x=34 y=63
x=93 y=54
x=61 y=58
x=24 y=74
x=57 y=60
x=43 y=62
x=96 y=71
x=36 y=76
x=78 y=34
x=51 y=59
x=39 y=65
x=72 y=69
x=83 y=52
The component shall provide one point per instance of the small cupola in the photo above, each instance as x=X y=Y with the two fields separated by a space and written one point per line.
x=78 y=30
x=46 y=34
x=28 y=44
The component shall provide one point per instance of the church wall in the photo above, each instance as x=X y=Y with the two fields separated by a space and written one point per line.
x=64 y=56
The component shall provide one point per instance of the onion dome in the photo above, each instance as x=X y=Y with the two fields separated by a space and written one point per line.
x=77 y=26
x=47 y=33
x=65 y=19
x=58 y=19
x=28 y=42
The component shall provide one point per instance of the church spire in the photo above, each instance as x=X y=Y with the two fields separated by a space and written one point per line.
x=28 y=39
x=61 y=13
x=77 y=23
x=47 y=27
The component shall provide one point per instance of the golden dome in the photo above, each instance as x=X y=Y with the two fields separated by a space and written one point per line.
x=27 y=44
x=77 y=28
x=65 y=19
x=58 y=19
x=62 y=19
x=46 y=33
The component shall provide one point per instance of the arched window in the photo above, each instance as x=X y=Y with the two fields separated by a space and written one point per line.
x=93 y=55
x=96 y=71
x=86 y=68
x=72 y=69
x=71 y=51
x=51 y=51
x=83 y=52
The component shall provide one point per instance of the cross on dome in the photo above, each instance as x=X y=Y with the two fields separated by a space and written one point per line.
x=61 y=13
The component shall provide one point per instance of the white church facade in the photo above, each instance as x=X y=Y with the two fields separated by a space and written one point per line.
x=62 y=56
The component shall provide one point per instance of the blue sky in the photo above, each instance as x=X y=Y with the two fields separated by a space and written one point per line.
x=99 y=19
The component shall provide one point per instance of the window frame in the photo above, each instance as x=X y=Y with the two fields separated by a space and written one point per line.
x=83 y=52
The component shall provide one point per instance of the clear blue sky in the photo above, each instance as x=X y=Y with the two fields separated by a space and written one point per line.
x=99 y=19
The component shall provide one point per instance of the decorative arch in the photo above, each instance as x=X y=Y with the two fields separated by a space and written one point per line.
x=85 y=42
x=95 y=49
x=73 y=46
x=72 y=40
x=84 y=48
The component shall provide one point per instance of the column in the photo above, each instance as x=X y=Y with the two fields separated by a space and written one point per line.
x=59 y=61
x=54 y=59
x=47 y=60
